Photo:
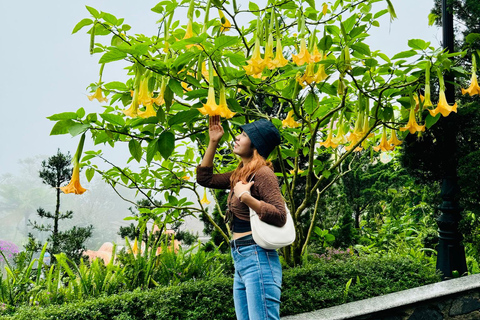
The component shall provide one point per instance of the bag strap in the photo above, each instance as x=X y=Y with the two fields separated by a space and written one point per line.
x=251 y=179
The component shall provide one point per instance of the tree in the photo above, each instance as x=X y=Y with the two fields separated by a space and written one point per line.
x=321 y=73
x=56 y=171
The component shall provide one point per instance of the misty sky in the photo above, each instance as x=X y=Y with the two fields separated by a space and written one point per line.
x=46 y=69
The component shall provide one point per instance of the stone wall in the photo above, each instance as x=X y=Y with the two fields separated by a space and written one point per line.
x=455 y=299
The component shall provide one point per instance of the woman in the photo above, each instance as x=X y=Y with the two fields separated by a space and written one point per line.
x=258 y=273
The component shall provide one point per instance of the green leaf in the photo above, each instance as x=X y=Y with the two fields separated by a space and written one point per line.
x=61 y=127
x=112 y=55
x=113 y=118
x=404 y=54
x=183 y=59
x=430 y=121
x=432 y=17
x=361 y=48
x=288 y=5
x=81 y=24
x=418 y=44
x=326 y=174
x=183 y=117
x=252 y=7
x=115 y=85
x=237 y=59
x=110 y=18
x=77 y=129
x=135 y=149
x=176 y=87
x=81 y=113
x=89 y=173
x=310 y=103
x=225 y=41
x=166 y=144
x=93 y=12
x=63 y=116
x=311 y=3
x=152 y=150
x=325 y=43
x=333 y=30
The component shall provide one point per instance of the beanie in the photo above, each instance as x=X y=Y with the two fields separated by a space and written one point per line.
x=264 y=136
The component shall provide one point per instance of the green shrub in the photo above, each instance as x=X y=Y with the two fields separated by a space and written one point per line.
x=319 y=284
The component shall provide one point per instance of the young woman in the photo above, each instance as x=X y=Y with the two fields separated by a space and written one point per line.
x=258 y=273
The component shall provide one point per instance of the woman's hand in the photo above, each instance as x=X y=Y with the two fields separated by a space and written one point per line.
x=240 y=188
x=215 y=129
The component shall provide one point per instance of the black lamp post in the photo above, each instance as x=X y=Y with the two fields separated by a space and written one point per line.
x=451 y=253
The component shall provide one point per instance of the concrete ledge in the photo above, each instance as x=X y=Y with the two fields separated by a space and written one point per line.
x=394 y=300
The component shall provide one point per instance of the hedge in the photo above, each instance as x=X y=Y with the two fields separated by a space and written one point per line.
x=315 y=286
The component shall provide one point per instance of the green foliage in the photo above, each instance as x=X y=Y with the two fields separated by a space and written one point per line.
x=160 y=65
x=318 y=284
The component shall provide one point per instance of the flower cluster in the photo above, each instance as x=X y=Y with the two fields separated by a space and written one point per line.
x=8 y=249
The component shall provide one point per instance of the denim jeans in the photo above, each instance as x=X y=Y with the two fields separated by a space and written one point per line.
x=257 y=283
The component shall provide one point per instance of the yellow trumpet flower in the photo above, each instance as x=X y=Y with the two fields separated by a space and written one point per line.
x=223 y=110
x=474 y=88
x=303 y=56
x=189 y=34
x=309 y=75
x=205 y=199
x=329 y=141
x=393 y=139
x=340 y=138
x=269 y=53
x=279 y=60
x=325 y=9
x=256 y=64
x=316 y=55
x=443 y=107
x=210 y=108
x=289 y=121
x=412 y=124
x=226 y=25
x=144 y=97
x=98 y=95
x=384 y=145
x=149 y=112
x=74 y=185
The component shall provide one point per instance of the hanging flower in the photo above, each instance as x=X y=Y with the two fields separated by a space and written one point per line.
x=269 y=53
x=316 y=55
x=132 y=111
x=393 y=139
x=149 y=112
x=325 y=9
x=160 y=100
x=279 y=60
x=98 y=95
x=384 y=144
x=443 y=107
x=412 y=124
x=321 y=75
x=474 y=88
x=226 y=25
x=340 y=138
x=223 y=109
x=289 y=121
x=256 y=64
x=74 y=185
x=309 y=75
x=303 y=56
x=210 y=108
x=144 y=97
x=205 y=199
x=329 y=141
x=189 y=34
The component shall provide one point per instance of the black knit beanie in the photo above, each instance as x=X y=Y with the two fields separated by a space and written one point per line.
x=264 y=136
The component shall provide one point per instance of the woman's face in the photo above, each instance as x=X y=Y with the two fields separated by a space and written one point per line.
x=243 y=146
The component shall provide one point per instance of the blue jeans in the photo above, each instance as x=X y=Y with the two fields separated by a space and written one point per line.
x=257 y=283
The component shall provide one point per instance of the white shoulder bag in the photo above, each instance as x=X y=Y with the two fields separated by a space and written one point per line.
x=269 y=236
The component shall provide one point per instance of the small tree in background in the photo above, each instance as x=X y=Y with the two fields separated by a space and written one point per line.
x=55 y=171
